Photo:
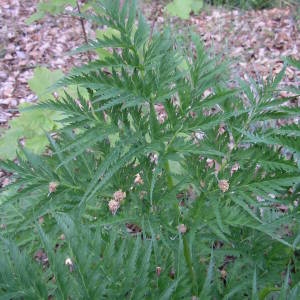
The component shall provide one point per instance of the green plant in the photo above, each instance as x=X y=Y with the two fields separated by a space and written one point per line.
x=183 y=9
x=52 y=7
x=31 y=125
x=200 y=172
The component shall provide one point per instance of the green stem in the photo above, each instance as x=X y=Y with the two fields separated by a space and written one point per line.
x=169 y=177
x=186 y=248
x=188 y=260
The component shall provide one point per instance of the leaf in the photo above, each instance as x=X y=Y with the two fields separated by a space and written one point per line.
x=182 y=8
x=52 y=7
x=31 y=125
x=42 y=79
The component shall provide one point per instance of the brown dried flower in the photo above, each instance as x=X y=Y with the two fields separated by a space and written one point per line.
x=138 y=179
x=223 y=273
x=210 y=162
x=224 y=185
x=113 y=206
x=119 y=196
x=68 y=261
x=234 y=168
x=182 y=228
x=70 y=264
x=221 y=129
x=53 y=186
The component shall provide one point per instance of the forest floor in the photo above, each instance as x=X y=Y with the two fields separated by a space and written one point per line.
x=255 y=42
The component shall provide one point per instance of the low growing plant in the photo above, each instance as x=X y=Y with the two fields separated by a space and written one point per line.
x=161 y=183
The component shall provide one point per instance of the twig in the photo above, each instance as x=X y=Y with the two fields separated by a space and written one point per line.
x=153 y=24
x=83 y=29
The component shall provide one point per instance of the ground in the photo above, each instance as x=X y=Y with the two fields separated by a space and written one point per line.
x=254 y=41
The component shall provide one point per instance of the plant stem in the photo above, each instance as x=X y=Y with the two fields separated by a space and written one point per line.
x=188 y=260
x=169 y=177
x=83 y=29
x=186 y=248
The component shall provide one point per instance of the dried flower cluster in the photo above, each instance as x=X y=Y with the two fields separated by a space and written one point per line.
x=234 y=168
x=223 y=185
x=115 y=203
x=119 y=196
x=53 y=186
x=138 y=179
x=161 y=113
x=182 y=228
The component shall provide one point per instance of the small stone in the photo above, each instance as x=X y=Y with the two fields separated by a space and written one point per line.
x=21 y=54
x=8 y=56
x=3 y=76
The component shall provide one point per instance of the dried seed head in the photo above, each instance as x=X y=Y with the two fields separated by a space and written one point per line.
x=142 y=194
x=172 y=273
x=224 y=185
x=154 y=158
x=119 y=196
x=198 y=136
x=221 y=129
x=55 y=95
x=182 y=228
x=193 y=114
x=210 y=162
x=223 y=273
x=113 y=206
x=234 y=168
x=161 y=113
x=79 y=104
x=230 y=146
x=138 y=179
x=158 y=271
x=68 y=261
x=53 y=186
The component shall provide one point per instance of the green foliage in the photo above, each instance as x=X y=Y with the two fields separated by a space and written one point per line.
x=32 y=125
x=52 y=7
x=244 y=4
x=182 y=9
x=210 y=179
